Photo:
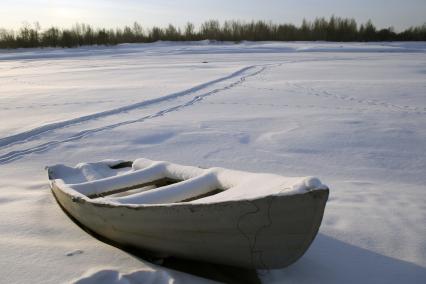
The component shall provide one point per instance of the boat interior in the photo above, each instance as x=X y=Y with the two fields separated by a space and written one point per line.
x=144 y=181
x=148 y=185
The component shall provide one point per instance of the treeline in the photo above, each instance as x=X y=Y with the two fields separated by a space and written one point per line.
x=333 y=29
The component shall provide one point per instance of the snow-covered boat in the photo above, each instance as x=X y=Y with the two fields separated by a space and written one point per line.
x=243 y=219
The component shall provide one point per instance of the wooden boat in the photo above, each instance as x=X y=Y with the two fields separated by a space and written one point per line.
x=250 y=220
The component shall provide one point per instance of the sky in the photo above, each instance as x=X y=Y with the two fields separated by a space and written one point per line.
x=400 y=14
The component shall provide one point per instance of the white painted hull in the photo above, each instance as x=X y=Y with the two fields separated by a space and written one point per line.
x=264 y=233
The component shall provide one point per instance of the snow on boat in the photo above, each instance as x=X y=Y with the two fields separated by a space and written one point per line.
x=250 y=220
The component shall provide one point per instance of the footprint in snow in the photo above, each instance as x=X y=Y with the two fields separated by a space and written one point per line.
x=75 y=252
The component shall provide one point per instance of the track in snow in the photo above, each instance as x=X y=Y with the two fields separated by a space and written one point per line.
x=242 y=75
x=27 y=135
x=371 y=102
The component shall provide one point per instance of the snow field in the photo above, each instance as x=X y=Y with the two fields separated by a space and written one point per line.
x=351 y=114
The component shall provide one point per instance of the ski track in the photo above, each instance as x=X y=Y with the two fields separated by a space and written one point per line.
x=15 y=155
x=26 y=135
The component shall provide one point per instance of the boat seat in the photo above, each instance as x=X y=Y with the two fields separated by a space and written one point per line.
x=122 y=182
x=176 y=192
x=182 y=183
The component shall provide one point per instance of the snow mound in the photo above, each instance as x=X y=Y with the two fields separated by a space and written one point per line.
x=112 y=276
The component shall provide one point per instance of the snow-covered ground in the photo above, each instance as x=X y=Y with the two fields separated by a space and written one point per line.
x=352 y=114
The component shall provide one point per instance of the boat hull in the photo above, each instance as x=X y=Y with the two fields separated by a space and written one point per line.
x=264 y=233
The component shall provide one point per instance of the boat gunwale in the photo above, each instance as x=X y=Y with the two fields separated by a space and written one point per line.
x=81 y=198
x=78 y=196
